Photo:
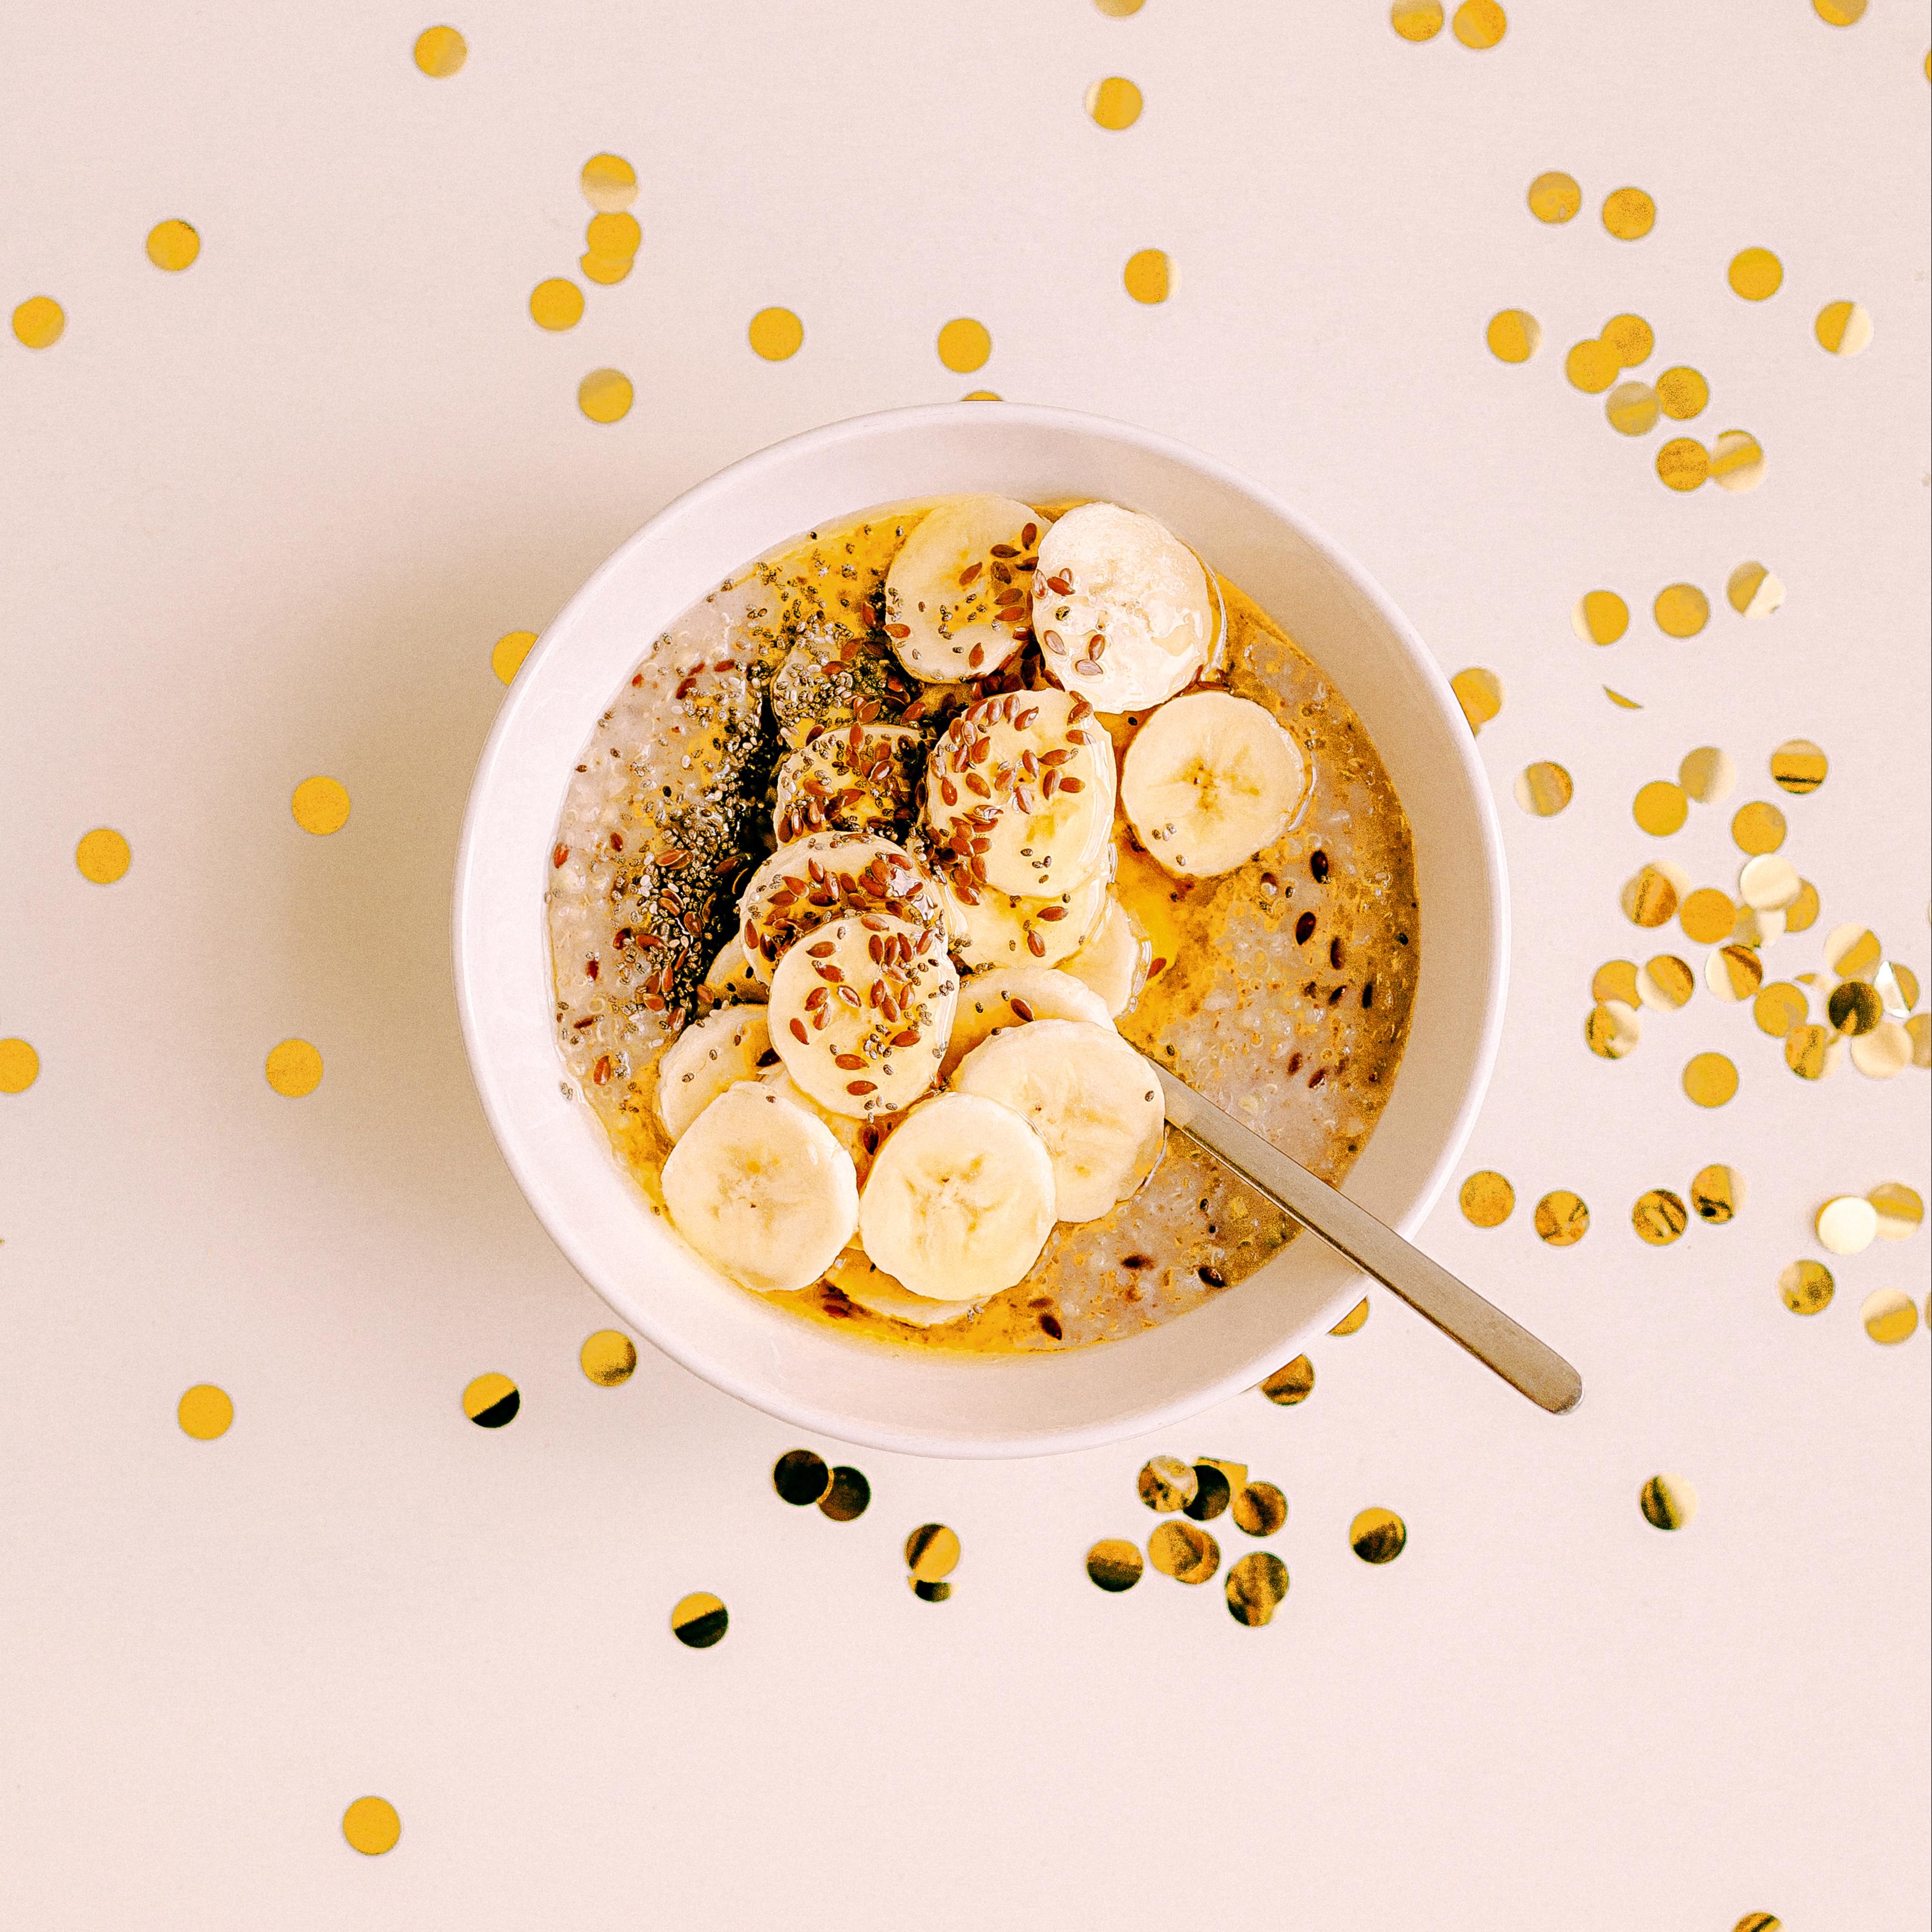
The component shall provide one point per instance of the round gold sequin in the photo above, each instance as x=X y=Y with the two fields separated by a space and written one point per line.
x=965 y=345
x=1661 y=808
x=294 y=1069
x=1479 y=24
x=1839 y=13
x=39 y=322
x=1615 y=979
x=1717 y=1193
x=1631 y=409
x=699 y=1620
x=372 y=1825
x=1353 y=1320
x=19 y=1066
x=1378 y=1535
x=604 y=395
x=1668 y=1502
x=556 y=304
x=1166 y=1484
x=1734 y=973
x=928 y=1592
x=1807 y=1287
x=1212 y=1492
x=1707 y=775
x=1634 y=340
x=1149 y=275
x=1681 y=393
x=1803 y=911
x=1659 y=1217
x=1844 y=327
x=1798 y=766
x=1758 y=827
x=102 y=857
x=1900 y=1211
x=508 y=653
x=1591 y=366
x=1852 y=951
x=801 y=1477
x=205 y=1411
x=173 y=245
x=1707 y=916
x=1779 y=1007
x=492 y=1401
x=1683 y=462
x=1119 y=9
x=1756 y=929
x=1753 y=592
x=932 y=1552
x=1755 y=274
x=1612 y=1029
x=1555 y=197
x=1681 y=610
x=1259 y=1509
x=848 y=1498
x=1889 y=1316
x=1629 y=214
x=440 y=51
x=1853 y=1006
x=1769 y=883
x=1487 y=1199
x=1918 y=1029
x=1737 y=461
x=1187 y=1554
x=1114 y=103
x=609 y=182
x=1846 y=1225
x=1601 y=617
x=1897 y=988
x=1115 y=1564
x=1293 y=1382
x=320 y=805
x=776 y=333
x=1710 y=1079
x=606 y=270
x=608 y=1358
x=1650 y=898
x=1480 y=693
x=1543 y=789
x=1414 y=21
x=1514 y=335
x=1562 y=1220
x=1255 y=1587
x=1665 y=982
x=1812 y=1051
x=1883 y=1052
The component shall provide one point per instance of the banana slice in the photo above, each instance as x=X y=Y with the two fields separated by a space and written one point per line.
x=860 y=777
x=957 y=601
x=761 y=1190
x=989 y=927
x=1014 y=996
x=1122 y=609
x=1087 y=1094
x=1209 y=780
x=860 y=1012
x=858 y=1140
x=822 y=876
x=858 y=1280
x=731 y=978
x=1114 y=959
x=961 y=1200
x=1019 y=793
x=712 y=1054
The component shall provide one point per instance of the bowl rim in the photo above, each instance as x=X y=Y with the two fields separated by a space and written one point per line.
x=769 y=1397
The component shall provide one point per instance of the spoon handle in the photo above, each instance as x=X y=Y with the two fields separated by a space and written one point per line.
x=1461 y=1313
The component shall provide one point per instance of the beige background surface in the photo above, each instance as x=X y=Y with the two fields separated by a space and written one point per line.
x=266 y=518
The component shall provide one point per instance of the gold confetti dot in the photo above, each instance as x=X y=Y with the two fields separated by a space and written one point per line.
x=965 y=345
x=1798 y=766
x=1889 y=1316
x=1488 y=1199
x=931 y=1552
x=1681 y=393
x=1612 y=1030
x=606 y=270
x=1119 y=9
x=1683 y=464
x=1212 y=1492
x=491 y=1401
x=1661 y=808
x=1166 y=1484
x=1752 y=591
x=1479 y=24
x=1622 y=703
x=802 y=1477
x=1853 y=1007
x=1591 y=367
x=556 y=304
x=1852 y=951
x=1665 y=982
x=1514 y=335
x=1631 y=409
x=1882 y=1053
x=1707 y=917
x=1616 y=979
x=1844 y=327
x=1149 y=276
x=1918 y=1029
x=1555 y=197
x=1737 y=461
x=205 y=1412
x=1668 y=1502
x=1187 y=1554
x=1629 y=214
x=1659 y=1217
x=1633 y=339
x=1681 y=610
x=1806 y=1287
x=1734 y=973
x=1839 y=13
x=1755 y=274
x=1259 y=1509
x=39 y=322
x=604 y=395
x=1710 y=1079
x=1416 y=23
x=1900 y=1209
x=1255 y=1587
x=980 y=396
x=1650 y=899
x=320 y=805
x=850 y=1496
x=1114 y=103
x=173 y=245
x=508 y=653
x=1562 y=1220
x=294 y=1068
x=1847 y=1224
x=1115 y=1564
x=1897 y=988
x=19 y=1066
x=1803 y=911
x=1779 y=1007
x=1378 y=1535
x=776 y=333
x=609 y=182
x=1543 y=789
x=608 y=1358
x=1293 y=1382
x=700 y=1620
x=1812 y=1052
x=371 y=1825
x=1353 y=1320
x=612 y=235
x=1601 y=617
x=1717 y=1193
x=1758 y=827
x=440 y=51
x=1480 y=694
x=102 y=855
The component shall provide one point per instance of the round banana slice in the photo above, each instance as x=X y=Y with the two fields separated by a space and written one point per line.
x=1114 y=959
x=712 y=1054
x=960 y=1201
x=731 y=977
x=1014 y=996
x=1122 y=609
x=988 y=927
x=857 y=778
x=957 y=595
x=860 y=1011
x=858 y=1280
x=1210 y=780
x=822 y=876
x=761 y=1190
x=1019 y=793
x=1087 y=1094
x=857 y=1139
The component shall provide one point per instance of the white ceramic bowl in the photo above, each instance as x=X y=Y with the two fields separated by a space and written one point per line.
x=842 y=1386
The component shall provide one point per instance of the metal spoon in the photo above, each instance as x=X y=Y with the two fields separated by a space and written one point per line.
x=1432 y=1290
